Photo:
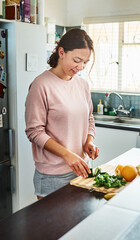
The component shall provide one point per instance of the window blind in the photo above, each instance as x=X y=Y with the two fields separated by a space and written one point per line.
x=117 y=56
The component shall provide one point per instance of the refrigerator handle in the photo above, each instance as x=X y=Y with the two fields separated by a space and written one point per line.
x=12 y=174
x=10 y=143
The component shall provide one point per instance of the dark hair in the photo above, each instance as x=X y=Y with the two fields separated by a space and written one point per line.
x=73 y=39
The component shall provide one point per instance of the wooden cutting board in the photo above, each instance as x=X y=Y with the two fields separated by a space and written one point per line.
x=88 y=182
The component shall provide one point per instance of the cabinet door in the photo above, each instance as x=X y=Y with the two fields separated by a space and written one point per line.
x=112 y=143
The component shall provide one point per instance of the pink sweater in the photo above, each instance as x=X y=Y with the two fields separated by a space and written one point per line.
x=61 y=110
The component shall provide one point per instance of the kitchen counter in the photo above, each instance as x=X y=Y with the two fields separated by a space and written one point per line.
x=72 y=212
x=51 y=217
x=124 y=123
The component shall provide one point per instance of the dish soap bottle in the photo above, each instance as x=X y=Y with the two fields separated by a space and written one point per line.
x=106 y=104
x=100 y=107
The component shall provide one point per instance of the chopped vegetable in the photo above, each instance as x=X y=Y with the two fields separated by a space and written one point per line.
x=107 y=181
x=97 y=171
x=94 y=173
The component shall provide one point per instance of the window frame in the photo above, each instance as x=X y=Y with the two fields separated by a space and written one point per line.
x=113 y=19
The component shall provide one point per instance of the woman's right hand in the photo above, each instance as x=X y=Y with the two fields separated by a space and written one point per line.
x=77 y=164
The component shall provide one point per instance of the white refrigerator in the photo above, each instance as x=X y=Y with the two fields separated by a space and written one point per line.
x=26 y=60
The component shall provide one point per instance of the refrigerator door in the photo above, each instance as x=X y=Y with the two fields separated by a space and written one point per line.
x=5 y=190
x=4 y=141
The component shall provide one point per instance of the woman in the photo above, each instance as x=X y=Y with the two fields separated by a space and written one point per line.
x=59 y=120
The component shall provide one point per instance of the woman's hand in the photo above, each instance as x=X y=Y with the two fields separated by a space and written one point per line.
x=90 y=148
x=77 y=164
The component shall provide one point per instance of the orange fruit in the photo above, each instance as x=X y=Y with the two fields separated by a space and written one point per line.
x=118 y=169
x=129 y=172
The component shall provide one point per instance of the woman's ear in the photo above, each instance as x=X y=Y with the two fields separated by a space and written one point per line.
x=61 y=52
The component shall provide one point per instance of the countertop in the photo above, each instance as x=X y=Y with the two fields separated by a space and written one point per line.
x=117 y=125
x=51 y=217
x=75 y=213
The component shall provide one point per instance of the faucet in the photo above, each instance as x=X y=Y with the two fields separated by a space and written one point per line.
x=120 y=107
x=121 y=111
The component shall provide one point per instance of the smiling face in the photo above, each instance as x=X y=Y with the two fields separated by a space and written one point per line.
x=72 y=62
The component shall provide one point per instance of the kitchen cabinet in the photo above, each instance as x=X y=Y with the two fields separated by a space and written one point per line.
x=112 y=143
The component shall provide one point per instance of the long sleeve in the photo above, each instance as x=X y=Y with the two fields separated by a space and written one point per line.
x=91 y=129
x=36 y=108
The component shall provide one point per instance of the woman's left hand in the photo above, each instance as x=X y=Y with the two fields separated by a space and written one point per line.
x=90 y=148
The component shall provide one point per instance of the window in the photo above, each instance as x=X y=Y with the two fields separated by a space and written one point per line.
x=117 y=56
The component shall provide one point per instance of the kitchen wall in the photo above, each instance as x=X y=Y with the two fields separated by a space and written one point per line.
x=56 y=11
x=71 y=12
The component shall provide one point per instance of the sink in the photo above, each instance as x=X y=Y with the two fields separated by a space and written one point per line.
x=105 y=118
x=117 y=120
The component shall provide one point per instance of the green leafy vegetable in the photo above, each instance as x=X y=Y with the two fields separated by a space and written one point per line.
x=107 y=181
